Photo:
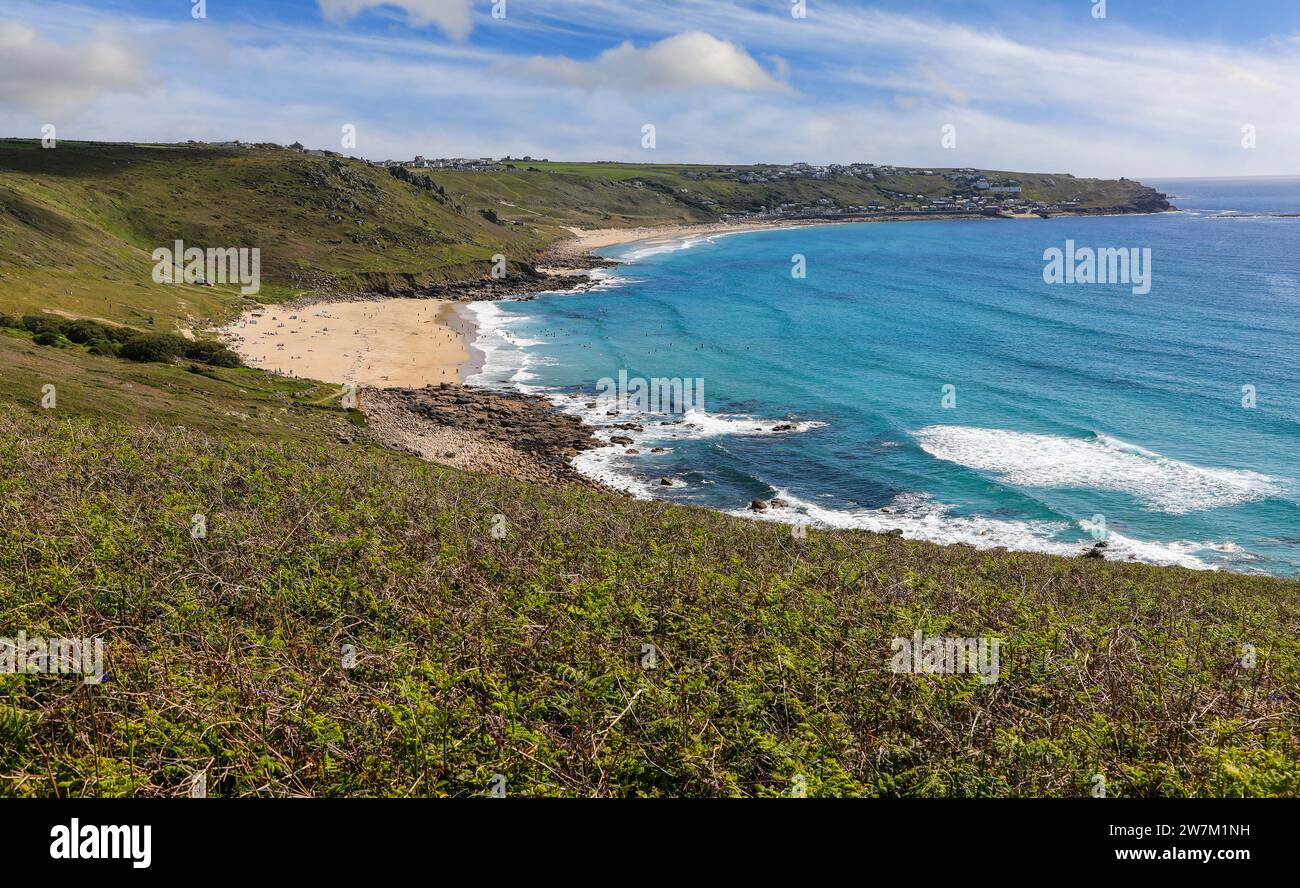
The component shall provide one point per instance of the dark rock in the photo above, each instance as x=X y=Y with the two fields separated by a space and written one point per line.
x=757 y=506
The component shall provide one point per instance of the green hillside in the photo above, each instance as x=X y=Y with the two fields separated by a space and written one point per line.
x=81 y=220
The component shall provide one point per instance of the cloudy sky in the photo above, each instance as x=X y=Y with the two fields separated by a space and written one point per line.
x=1153 y=88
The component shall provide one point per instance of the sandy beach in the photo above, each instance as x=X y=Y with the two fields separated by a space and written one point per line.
x=407 y=342
x=391 y=343
x=586 y=239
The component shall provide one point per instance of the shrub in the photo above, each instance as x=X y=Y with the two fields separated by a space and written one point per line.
x=117 y=334
x=214 y=353
x=39 y=323
x=104 y=348
x=9 y=321
x=49 y=337
x=82 y=331
x=153 y=347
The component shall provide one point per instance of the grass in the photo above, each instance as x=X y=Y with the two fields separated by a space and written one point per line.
x=523 y=656
x=217 y=400
x=80 y=221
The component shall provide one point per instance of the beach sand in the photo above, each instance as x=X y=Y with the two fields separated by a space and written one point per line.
x=395 y=342
x=585 y=239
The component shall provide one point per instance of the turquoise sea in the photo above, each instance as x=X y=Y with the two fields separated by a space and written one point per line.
x=1076 y=410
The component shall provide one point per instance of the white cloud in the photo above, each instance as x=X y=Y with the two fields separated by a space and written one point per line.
x=690 y=59
x=452 y=16
x=872 y=85
x=49 y=78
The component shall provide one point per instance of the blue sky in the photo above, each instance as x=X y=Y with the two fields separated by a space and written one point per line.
x=1155 y=88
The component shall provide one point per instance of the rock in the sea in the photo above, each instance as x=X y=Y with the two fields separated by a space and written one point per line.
x=666 y=482
x=758 y=506
x=632 y=451
x=658 y=449
x=620 y=439
x=783 y=427
x=778 y=503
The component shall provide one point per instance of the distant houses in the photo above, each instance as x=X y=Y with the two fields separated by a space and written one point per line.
x=892 y=189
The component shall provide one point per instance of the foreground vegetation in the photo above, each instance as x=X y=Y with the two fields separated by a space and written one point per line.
x=524 y=656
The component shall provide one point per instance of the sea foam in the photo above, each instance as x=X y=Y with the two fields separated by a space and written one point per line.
x=919 y=517
x=1099 y=462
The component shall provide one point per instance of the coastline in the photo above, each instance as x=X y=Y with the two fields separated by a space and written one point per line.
x=785 y=508
x=433 y=410
x=280 y=337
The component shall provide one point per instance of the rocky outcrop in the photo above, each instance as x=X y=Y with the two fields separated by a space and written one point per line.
x=424 y=183
x=522 y=280
x=478 y=430
x=1097 y=550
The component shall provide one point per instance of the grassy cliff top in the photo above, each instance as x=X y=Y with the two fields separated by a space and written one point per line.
x=78 y=224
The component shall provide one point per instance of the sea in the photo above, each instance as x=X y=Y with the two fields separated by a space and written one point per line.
x=932 y=377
